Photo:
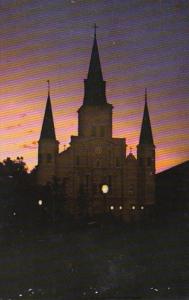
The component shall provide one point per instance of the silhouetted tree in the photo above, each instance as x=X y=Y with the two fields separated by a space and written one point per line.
x=13 y=168
x=27 y=203
x=13 y=180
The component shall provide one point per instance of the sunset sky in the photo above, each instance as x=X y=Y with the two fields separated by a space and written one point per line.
x=142 y=43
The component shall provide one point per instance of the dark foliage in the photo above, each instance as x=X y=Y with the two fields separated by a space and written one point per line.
x=24 y=204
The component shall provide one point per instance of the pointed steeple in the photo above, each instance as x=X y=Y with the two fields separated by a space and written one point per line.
x=48 y=131
x=146 y=137
x=95 y=71
x=95 y=93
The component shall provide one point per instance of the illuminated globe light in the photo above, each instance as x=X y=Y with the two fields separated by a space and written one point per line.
x=105 y=188
x=111 y=207
x=133 y=207
x=142 y=207
x=120 y=207
x=40 y=202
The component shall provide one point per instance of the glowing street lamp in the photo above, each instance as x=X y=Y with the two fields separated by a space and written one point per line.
x=40 y=202
x=105 y=188
x=133 y=207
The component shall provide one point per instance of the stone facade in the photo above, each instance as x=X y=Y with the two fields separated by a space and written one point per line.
x=95 y=158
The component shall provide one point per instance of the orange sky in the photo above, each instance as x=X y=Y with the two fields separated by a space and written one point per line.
x=54 y=42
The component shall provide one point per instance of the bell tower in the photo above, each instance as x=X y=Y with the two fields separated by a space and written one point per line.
x=47 y=145
x=95 y=115
x=146 y=160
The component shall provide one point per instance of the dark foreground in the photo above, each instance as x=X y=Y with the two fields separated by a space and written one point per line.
x=148 y=261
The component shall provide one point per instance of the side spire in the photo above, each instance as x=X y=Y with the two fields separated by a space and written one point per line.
x=95 y=93
x=146 y=137
x=48 y=130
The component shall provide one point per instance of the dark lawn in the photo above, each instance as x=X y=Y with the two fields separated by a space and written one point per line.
x=102 y=262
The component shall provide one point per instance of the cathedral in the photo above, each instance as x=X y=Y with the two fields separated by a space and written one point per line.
x=97 y=175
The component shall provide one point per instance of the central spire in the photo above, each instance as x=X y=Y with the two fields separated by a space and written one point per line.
x=95 y=71
x=94 y=84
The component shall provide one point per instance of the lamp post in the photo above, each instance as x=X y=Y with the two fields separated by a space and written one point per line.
x=105 y=190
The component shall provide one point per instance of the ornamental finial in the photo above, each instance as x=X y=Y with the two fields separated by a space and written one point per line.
x=95 y=28
x=145 y=94
x=48 y=81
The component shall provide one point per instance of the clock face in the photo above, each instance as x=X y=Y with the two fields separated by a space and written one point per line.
x=98 y=150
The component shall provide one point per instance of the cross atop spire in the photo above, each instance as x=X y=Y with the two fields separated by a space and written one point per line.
x=95 y=28
x=145 y=95
x=48 y=81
